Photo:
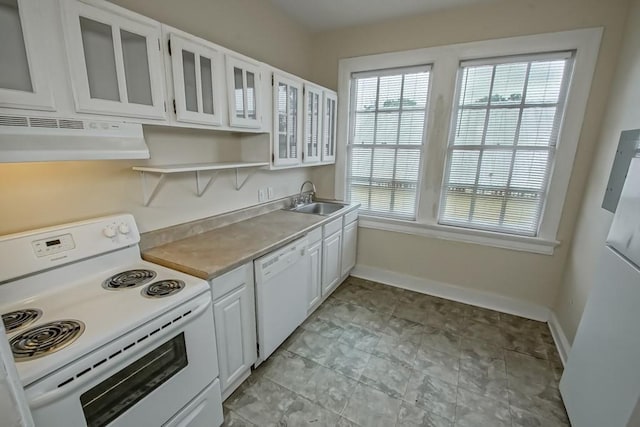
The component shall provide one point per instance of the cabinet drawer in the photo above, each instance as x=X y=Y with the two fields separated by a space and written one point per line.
x=314 y=235
x=229 y=281
x=350 y=217
x=332 y=227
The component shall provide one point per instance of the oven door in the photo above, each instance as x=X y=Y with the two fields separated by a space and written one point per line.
x=167 y=372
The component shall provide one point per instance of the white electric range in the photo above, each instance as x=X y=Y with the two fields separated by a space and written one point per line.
x=100 y=336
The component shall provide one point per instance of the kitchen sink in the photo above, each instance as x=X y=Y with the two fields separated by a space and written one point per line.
x=319 y=208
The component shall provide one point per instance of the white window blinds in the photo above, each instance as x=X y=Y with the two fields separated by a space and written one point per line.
x=502 y=141
x=387 y=113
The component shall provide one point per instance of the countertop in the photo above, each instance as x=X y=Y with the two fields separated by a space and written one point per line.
x=218 y=251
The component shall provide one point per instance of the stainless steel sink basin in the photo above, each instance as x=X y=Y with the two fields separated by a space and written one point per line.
x=319 y=208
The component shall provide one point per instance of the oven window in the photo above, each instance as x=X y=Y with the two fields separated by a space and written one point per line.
x=106 y=401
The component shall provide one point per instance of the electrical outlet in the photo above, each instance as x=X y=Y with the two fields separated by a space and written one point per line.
x=270 y=193
x=261 y=195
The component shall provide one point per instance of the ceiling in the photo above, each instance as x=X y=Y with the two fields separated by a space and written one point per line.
x=321 y=15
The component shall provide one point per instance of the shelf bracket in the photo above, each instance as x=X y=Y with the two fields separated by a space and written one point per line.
x=149 y=193
x=249 y=175
x=150 y=187
x=200 y=190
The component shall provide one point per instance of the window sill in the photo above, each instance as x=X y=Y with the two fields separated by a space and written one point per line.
x=535 y=245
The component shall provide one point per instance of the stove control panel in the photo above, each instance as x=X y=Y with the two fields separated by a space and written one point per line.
x=53 y=245
x=37 y=250
x=120 y=232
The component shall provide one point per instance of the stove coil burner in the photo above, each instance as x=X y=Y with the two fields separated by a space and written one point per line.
x=163 y=288
x=15 y=320
x=45 y=339
x=129 y=279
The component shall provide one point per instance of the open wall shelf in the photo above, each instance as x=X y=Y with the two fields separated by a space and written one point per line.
x=164 y=170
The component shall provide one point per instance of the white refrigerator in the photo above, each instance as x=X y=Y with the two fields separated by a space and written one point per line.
x=600 y=385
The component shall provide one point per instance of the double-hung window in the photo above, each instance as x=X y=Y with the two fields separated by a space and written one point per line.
x=504 y=131
x=477 y=146
x=386 y=139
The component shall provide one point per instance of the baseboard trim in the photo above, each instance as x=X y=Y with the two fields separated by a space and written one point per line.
x=453 y=292
x=559 y=337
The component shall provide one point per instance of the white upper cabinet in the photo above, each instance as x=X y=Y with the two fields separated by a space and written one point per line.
x=329 y=112
x=115 y=60
x=312 y=124
x=24 y=72
x=197 y=81
x=243 y=83
x=287 y=120
x=93 y=59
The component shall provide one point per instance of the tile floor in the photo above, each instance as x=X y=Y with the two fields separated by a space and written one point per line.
x=375 y=355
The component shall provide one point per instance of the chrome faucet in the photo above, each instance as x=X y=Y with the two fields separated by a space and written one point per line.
x=304 y=199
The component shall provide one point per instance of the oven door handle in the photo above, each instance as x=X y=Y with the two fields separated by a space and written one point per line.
x=53 y=395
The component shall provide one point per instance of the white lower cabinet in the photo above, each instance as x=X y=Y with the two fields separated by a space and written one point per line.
x=332 y=252
x=315 y=261
x=234 y=315
x=349 y=245
x=331 y=256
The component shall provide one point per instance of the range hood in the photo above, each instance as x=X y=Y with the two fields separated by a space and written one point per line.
x=43 y=139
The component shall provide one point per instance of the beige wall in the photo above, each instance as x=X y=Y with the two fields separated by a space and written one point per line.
x=533 y=278
x=622 y=113
x=36 y=195
x=500 y=271
x=42 y=194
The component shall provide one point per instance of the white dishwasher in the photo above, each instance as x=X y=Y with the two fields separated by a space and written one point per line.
x=282 y=282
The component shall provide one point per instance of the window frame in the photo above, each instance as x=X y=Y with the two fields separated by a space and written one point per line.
x=421 y=149
x=569 y=56
x=445 y=62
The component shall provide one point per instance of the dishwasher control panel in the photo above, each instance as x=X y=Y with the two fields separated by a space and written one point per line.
x=275 y=262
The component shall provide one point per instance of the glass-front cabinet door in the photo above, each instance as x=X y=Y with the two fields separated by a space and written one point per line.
x=23 y=69
x=196 y=81
x=312 y=124
x=243 y=82
x=329 y=112
x=287 y=120
x=115 y=61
